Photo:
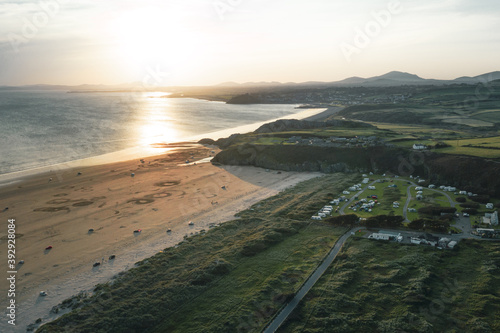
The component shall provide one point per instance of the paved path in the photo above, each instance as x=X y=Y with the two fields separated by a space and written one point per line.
x=344 y=206
x=407 y=203
x=452 y=203
x=287 y=310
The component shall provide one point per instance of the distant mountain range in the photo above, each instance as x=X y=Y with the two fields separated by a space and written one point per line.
x=391 y=79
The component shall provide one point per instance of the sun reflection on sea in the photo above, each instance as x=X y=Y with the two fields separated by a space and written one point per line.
x=156 y=123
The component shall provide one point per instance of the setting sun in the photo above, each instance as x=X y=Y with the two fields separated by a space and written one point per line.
x=149 y=37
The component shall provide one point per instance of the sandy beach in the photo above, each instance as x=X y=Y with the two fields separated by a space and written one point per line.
x=59 y=208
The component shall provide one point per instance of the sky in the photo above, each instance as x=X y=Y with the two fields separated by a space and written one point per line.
x=205 y=42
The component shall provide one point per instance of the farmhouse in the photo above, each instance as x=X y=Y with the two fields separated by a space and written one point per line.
x=419 y=146
x=489 y=205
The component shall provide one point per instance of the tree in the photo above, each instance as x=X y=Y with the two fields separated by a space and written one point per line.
x=417 y=224
x=343 y=220
x=384 y=221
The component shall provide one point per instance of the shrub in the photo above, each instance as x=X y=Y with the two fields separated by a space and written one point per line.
x=384 y=221
x=470 y=211
x=481 y=199
x=343 y=220
x=436 y=210
x=470 y=205
x=460 y=199
x=416 y=224
x=253 y=247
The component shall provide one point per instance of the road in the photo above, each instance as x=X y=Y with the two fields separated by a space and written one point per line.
x=463 y=223
x=287 y=310
x=408 y=199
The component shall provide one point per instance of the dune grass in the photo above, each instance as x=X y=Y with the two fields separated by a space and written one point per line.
x=376 y=286
x=233 y=277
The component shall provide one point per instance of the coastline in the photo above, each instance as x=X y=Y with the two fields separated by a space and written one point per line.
x=163 y=194
x=147 y=151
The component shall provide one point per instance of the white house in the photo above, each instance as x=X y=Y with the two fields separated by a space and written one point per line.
x=463 y=192
x=489 y=205
x=419 y=188
x=432 y=186
x=315 y=217
x=419 y=197
x=491 y=218
x=372 y=188
x=419 y=146
x=494 y=218
x=366 y=180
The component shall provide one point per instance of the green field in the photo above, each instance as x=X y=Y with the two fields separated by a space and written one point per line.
x=376 y=286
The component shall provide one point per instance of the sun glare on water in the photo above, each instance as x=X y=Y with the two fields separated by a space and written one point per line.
x=156 y=126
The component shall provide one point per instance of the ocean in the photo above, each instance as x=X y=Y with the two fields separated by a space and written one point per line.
x=43 y=128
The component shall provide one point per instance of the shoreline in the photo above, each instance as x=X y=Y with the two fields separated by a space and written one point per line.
x=163 y=194
x=147 y=151
x=67 y=269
